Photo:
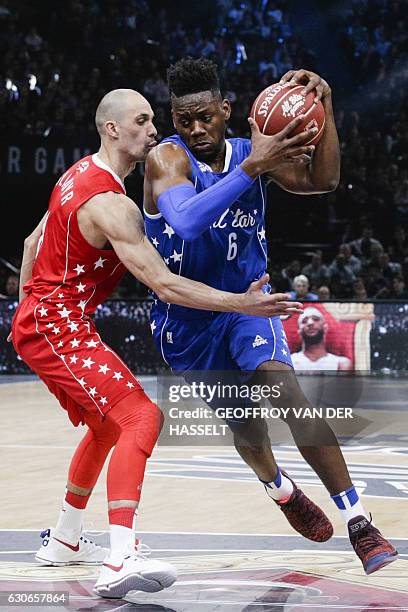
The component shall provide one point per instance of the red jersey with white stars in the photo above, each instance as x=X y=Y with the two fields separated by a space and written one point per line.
x=52 y=329
x=67 y=268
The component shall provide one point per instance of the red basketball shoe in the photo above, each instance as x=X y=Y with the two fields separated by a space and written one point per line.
x=305 y=516
x=373 y=550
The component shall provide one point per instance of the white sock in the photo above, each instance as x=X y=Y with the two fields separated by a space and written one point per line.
x=279 y=489
x=349 y=504
x=69 y=524
x=122 y=540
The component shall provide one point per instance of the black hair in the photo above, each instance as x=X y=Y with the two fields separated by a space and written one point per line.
x=189 y=76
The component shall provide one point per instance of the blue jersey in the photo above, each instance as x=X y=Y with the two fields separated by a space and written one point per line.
x=232 y=252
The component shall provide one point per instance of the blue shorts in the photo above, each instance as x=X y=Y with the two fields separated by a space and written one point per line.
x=224 y=341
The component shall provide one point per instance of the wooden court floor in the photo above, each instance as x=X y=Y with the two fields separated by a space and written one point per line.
x=203 y=509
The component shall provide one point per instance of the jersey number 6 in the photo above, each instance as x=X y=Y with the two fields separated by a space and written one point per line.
x=232 y=246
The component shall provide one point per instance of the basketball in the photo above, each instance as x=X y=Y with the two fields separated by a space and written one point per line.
x=279 y=104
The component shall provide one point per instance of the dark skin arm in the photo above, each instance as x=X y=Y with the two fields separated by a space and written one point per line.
x=321 y=172
x=168 y=165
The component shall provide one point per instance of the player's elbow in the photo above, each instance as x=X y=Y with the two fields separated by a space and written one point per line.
x=332 y=185
x=30 y=243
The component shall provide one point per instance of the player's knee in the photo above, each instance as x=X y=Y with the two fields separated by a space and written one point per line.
x=142 y=417
x=253 y=435
x=151 y=423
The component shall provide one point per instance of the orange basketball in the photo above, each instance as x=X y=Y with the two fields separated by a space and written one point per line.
x=279 y=104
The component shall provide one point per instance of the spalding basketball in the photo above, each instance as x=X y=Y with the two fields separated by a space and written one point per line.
x=279 y=104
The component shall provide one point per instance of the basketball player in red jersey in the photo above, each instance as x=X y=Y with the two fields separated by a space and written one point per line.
x=73 y=260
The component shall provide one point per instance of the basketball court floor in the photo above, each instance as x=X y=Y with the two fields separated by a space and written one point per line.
x=204 y=511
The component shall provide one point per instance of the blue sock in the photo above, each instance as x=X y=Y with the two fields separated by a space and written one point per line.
x=349 y=504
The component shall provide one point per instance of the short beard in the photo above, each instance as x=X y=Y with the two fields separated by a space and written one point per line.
x=313 y=340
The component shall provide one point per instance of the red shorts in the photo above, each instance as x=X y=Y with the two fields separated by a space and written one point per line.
x=71 y=358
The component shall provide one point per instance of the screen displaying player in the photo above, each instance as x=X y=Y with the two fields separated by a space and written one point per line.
x=312 y=329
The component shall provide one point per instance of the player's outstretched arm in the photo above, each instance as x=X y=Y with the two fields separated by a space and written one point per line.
x=322 y=174
x=120 y=221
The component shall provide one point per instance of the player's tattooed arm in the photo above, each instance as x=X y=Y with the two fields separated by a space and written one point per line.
x=322 y=173
x=118 y=219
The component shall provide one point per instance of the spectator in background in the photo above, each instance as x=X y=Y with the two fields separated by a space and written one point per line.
x=323 y=293
x=359 y=291
x=11 y=287
x=301 y=289
x=316 y=271
x=398 y=290
x=350 y=260
x=342 y=276
x=288 y=274
x=362 y=246
x=398 y=247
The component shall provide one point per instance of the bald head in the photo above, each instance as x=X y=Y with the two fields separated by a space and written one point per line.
x=116 y=105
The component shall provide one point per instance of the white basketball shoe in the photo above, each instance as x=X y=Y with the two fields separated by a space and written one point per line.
x=135 y=573
x=55 y=551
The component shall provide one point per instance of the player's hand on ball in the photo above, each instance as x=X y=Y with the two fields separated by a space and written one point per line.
x=268 y=152
x=262 y=304
x=311 y=80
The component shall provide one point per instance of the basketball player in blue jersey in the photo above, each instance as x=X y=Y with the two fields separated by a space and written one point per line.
x=205 y=199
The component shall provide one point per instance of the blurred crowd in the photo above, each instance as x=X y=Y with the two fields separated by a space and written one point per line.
x=58 y=59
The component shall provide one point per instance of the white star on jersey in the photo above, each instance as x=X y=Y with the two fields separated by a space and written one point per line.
x=99 y=263
x=176 y=256
x=43 y=311
x=117 y=375
x=81 y=287
x=64 y=313
x=91 y=343
x=155 y=242
x=153 y=326
x=167 y=260
x=60 y=305
x=73 y=326
x=284 y=352
x=169 y=230
x=75 y=343
x=103 y=401
x=50 y=324
x=73 y=359
x=92 y=391
x=79 y=269
x=60 y=344
x=130 y=385
x=88 y=363
x=56 y=330
x=82 y=382
x=103 y=368
x=261 y=234
x=82 y=304
x=60 y=296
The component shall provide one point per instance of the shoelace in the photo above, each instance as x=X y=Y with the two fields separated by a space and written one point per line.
x=365 y=541
x=89 y=542
x=142 y=551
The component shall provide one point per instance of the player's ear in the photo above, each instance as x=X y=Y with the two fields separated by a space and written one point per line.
x=325 y=328
x=111 y=129
x=226 y=107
